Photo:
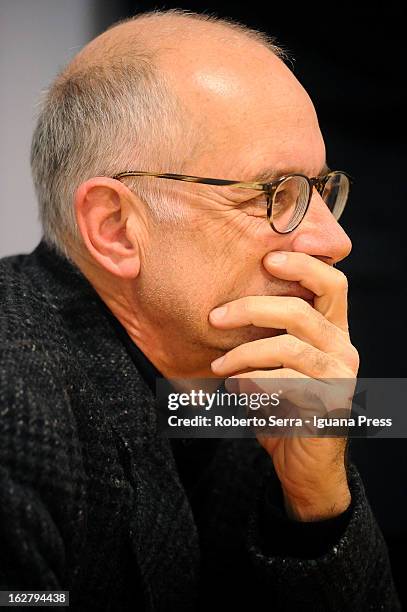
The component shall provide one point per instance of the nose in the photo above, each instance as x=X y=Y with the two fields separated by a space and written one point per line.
x=320 y=234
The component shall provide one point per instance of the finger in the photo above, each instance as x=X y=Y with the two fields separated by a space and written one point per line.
x=284 y=351
x=262 y=378
x=329 y=284
x=309 y=396
x=290 y=313
x=264 y=381
x=284 y=382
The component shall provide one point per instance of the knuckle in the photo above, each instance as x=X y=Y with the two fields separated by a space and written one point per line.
x=289 y=343
x=320 y=364
x=354 y=359
x=341 y=281
x=304 y=353
x=317 y=361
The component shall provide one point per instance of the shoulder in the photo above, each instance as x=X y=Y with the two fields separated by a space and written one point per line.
x=35 y=412
x=28 y=320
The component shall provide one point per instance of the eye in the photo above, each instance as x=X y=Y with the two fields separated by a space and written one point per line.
x=260 y=200
x=282 y=201
x=256 y=206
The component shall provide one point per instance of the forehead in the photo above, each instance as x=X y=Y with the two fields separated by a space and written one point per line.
x=251 y=111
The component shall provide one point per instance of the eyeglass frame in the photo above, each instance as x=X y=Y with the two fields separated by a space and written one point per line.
x=269 y=188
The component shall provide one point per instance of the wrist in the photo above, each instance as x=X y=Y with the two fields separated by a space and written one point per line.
x=317 y=506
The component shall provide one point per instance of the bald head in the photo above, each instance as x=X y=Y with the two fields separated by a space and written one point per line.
x=174 y=31
x=186 y=49
x=150 y=93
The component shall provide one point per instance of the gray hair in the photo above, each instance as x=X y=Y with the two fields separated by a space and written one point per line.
x=106 y=117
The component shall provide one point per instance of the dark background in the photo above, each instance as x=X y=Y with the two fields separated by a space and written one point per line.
x=352 y=63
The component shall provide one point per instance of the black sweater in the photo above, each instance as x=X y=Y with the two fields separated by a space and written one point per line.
x=95 y=501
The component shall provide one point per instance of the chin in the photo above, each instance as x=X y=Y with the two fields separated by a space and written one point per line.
x=235 y=337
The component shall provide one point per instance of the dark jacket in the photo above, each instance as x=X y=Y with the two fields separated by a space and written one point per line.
x=92 y=498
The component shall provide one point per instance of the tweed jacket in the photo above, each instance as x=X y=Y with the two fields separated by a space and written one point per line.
x=91 y=494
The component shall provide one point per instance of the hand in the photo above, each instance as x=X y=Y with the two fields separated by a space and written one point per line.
x=317 y=345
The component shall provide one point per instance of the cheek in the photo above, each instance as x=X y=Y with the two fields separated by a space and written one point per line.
x=229 y=241
x=180 y=274
x=202 y=265
x=226 y=259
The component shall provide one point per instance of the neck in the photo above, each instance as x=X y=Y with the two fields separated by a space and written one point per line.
x=161 y=346
x=185 y=372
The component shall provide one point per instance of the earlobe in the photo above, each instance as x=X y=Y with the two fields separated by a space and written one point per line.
x=105 y=219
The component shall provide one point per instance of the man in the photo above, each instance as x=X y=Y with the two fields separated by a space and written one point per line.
x=139 y=276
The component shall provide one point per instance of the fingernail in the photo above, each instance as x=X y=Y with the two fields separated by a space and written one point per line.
x=217 y=363
x=218 y=313
x=276 y=258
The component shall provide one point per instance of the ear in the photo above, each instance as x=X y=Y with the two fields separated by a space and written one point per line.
x=111 y=225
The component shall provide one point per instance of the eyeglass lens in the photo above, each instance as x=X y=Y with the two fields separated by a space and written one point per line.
x=292 y=195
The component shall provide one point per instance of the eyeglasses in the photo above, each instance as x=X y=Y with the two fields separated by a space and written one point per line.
x=287 y=198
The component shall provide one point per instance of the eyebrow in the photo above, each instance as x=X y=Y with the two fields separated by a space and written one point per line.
x=269 y=175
